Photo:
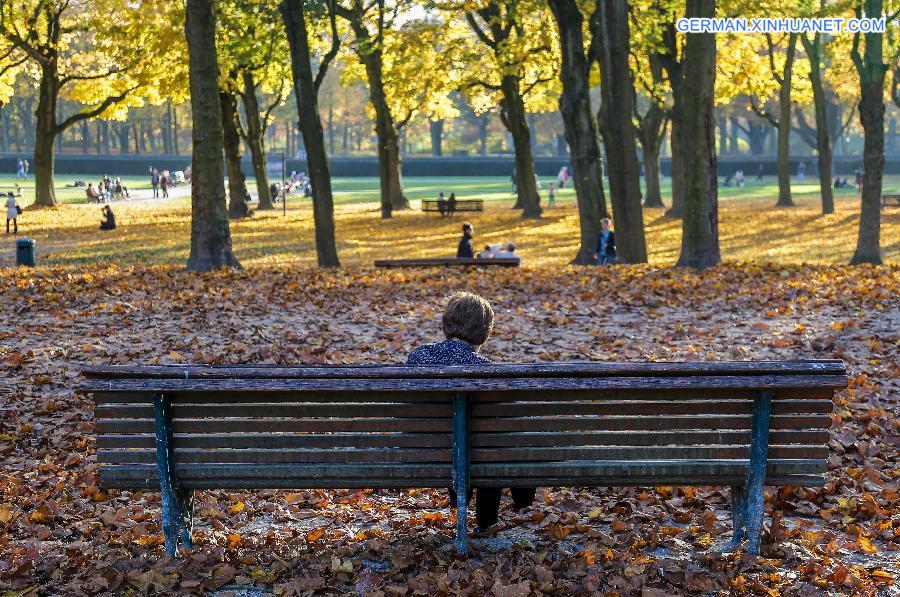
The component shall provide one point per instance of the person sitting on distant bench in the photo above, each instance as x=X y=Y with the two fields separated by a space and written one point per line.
x=109 y=221
x=451 y=204
x=465 y=248
x=488 y=253
x=92 y=194
x=442 y=204
x=507 y=251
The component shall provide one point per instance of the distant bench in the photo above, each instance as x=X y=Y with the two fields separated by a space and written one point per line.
x=446 y=261
x=740 y=424
x=889 y=199
x=461 y=205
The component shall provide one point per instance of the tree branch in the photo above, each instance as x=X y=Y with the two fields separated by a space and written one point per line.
x=79 y=116
x=332 y=52
x=479 y=32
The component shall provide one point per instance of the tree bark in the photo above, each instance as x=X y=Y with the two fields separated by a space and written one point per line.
x=254 y=139
x=823 y=140
x=579 y=127
x=700 y=227
x=44 y=137
x=238 y=197
x=512 y=114
x=784 y=127
x=674 y=67
x=610 y=27
x=210 y=234
x=292 y=12
x=872 y=71
x=436 y=127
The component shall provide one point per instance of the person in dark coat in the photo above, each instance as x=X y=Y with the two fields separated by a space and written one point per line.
x=465 y=248
x=467 y=323
x=109 y=219
x=442 y=204
x=451 y=204
x=605 y=251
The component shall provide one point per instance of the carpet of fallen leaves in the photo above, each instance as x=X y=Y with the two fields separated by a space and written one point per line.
x=62 y=534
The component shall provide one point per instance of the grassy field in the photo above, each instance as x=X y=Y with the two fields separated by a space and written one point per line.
x=751 y=228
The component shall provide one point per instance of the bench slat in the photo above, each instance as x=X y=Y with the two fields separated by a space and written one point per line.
x=440 y=440
x=284 y=410
x=648 y=407
x=309 y=425
x=542 y=370
x=394 y=455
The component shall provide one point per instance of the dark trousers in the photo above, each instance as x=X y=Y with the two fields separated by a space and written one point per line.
x=487 y=502
x=155 y=191
x=15 y=225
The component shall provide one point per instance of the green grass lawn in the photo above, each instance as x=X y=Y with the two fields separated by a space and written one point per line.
x=489 y=188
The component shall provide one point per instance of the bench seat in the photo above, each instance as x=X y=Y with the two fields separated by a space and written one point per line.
x=740 y=424
x=461 y=205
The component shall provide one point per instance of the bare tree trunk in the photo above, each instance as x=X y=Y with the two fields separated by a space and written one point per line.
x=45 y=134
x=175 y=148
x=579 y=127
x=436 y=128
x=700 y=227
x=210 y=235
x=823 y=141
x=610 y=26
x=482 y=134
x=311 y=126
x=238 y=197
x=784 y=127
x=254 y=138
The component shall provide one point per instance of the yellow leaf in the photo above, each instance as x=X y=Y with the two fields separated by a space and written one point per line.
x=238 y=507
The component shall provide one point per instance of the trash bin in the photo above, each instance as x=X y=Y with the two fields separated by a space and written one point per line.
x=25 y=252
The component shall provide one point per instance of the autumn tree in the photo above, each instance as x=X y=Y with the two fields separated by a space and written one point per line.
x=298 y=15
x=700 y=223
x=77 y=50
x=210 y=235
x=611 y=48
x=579 y=125
x=520 y=57
x=872 y=70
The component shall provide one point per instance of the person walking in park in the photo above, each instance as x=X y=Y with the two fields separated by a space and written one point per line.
x=451 y=204
x=442 y=204
x=467 y=322
x=551 y=195
x=563 y=176
x=465 y=248
x=109 y=219
x=20 y=169
x=759 y=173
x=12 y=213
x=154 y=182
x=801 y=171
x=164 y=183
x=26 y=166
x=605 y=252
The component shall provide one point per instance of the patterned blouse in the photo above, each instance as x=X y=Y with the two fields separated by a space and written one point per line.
x=449 y=352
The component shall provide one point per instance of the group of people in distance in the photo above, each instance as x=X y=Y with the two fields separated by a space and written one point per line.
x=446 y=207
x=22 y=169
x=160 y=180
x=106 y=190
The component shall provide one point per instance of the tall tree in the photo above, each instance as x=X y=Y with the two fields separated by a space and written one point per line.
x=369 y=47
x=579 y=126
x=813 y=45
x=75 y=52
x=669 y=53
x=700 y=223
x=611 y=49
x=872 y=73
x=238 y=195
x=516 y=39
x=306 y=89
x=210 y=235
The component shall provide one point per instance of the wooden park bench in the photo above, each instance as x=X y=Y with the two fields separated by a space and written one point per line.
x=447 y=261
x=890 y=198
x=461 y=205
x=738 y=424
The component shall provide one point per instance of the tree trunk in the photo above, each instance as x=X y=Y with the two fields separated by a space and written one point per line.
x=617 y=126
x=311 y=127
x=254 y=139
x=4 y=123
x=651 y=178
x=45 y=134
x=330 y=128
x=872 y=70
x=210 y=235
x=389 y=162
x=579 y=127
x=678 y=116
x=167 y=133
x=823 y=141
x=756 y=137
x=123 y=138
x=733 y=136
x=700 y=227
x=175 y=148
x=512 y=114
x=238 y=197
x=483 y=134
x=784 y=127
x=436 y=128
x=85 y=137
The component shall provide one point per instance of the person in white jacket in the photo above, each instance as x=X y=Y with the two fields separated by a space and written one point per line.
x=12 y=213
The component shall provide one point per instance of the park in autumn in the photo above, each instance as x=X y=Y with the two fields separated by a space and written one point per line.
x=475 y=297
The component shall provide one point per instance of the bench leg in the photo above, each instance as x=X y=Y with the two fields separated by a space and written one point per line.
x=737 y=514
x=461 y=469
x=176 y=502
x=754 y=500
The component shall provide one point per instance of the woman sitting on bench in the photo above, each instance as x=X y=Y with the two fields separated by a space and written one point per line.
x=467 y=323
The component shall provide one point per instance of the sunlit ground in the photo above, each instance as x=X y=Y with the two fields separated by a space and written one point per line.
x=751 y=228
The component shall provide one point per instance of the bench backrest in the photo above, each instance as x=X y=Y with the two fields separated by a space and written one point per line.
x=391 y=426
